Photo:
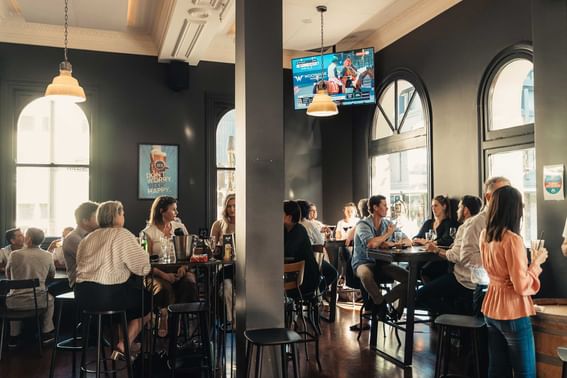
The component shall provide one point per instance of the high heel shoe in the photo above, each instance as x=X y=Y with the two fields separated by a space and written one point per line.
x=119 y=356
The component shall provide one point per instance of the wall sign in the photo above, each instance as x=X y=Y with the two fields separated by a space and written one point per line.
x=553 y=182
x=157 y=170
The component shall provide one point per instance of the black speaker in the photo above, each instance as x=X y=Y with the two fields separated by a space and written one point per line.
x=177 y=75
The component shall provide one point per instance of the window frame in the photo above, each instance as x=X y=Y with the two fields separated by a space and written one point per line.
x=509 y=139
x=406 y=140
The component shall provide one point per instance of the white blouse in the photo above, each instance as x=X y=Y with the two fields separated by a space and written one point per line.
x=153 y=233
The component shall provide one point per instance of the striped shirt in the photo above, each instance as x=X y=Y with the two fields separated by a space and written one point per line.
x=109 y=256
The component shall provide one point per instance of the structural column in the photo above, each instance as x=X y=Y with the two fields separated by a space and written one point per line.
x=259 y=172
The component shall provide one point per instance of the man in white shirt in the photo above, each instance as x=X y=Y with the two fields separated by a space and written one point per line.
x=564 y=244
x=15 y=240
x=452 y=293
x=470 y=250
x=28 y=263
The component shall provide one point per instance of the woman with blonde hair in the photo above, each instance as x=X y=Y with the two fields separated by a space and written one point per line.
x=169 y=288
x=106 y=259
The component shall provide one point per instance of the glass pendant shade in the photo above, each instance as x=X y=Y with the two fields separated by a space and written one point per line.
x=65 y=86
x=322 y=105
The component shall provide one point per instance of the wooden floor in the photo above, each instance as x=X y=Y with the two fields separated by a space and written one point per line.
x=341 y=354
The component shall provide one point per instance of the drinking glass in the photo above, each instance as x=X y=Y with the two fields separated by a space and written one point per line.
x=164 y=249
x=429 y=235
x=452 y=232
x=397 y=236
x=433 y=234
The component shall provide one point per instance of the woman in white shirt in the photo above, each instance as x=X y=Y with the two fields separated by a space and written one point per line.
x=169 y=288
x=349 y=221
x=106 y=258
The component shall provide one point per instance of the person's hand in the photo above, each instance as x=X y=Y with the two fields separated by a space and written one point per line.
x=390 y=230
x=539 y=255
x=419 y=241
x=169 y=277
x=387 y=244
x=181 y=272
x=430 y=247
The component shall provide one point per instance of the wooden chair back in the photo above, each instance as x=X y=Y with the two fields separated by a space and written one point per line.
x=293 y=275
x=319 y=254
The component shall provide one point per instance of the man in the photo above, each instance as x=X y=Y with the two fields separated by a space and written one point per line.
x=297 y=246
x=28 y=263
x=564 y=244
x=452 y=293
x=470 y=251
x=15 y=240
x=85 y=216
x=375 y=231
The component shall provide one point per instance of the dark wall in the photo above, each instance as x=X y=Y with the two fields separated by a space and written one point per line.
x=451 y=53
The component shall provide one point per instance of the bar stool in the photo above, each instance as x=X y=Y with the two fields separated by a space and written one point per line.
x=72 y=344
x=448 y=322
x=562 y=353
x=201 y=312
x=272 y=337
x=100 y=355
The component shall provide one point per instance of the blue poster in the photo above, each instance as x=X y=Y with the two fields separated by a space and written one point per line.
x=157 y=171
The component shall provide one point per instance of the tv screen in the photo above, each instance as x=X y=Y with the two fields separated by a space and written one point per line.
x=349 y=76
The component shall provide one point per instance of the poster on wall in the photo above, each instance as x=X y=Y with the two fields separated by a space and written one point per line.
x=553 y=182
x=157 y=170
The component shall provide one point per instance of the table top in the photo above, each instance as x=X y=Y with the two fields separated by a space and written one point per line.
x=177 y=264
x=409 y=254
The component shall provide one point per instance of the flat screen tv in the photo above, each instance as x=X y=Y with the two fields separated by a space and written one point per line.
x=349 y=76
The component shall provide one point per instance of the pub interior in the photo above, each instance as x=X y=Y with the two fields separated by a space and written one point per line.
x=222 y=116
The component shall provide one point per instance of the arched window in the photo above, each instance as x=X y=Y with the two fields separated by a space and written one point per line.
x=52 y=164
x=507 y=127
x=225 y=158
x=399 y=149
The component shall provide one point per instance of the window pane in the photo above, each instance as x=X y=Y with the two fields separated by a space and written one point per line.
x=47 y=197
x=512 y=96
x=519 y=167
x=402 y=177
x=414 y=118
x=53 y=132
x=225 y=185
x=226 y=131
x=381 y=128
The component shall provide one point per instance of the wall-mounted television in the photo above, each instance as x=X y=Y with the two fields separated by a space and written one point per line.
x=349 y=76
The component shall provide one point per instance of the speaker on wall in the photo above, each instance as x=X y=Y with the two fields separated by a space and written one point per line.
x=178 y=75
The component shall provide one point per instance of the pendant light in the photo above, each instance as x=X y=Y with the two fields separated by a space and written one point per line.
x=65 y=86
x=322 y=105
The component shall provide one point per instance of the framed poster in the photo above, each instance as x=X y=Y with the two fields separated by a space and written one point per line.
x=553 y=182
x=157 y=170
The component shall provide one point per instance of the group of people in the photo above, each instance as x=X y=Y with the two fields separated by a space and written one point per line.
x=490 y=276
x=106 y=266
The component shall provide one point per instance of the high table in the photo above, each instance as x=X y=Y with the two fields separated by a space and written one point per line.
x=333 y=248
x=413 y=256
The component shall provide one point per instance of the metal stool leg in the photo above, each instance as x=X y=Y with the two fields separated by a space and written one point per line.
x=86 y=326
x=127 y=345
x=284 y=360
x=98 y=344
x=476 y=352
x=54 y=352
x=258 y=357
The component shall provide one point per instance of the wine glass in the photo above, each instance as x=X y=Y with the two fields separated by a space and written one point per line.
x=433 y=234
x=164 y=249
x=452 y=232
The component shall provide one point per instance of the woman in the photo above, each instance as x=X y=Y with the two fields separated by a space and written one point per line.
x=105 y=260
x=220 y=227
x=180 y=287
x=507 y=305
x=441 y=223
x=349 y=220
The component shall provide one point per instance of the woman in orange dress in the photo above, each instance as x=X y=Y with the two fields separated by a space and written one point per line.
x=508 y=306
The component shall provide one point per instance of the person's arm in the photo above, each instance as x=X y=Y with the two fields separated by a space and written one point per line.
x=470 y=251
x=524 y=279
x=216 y=231
x=51 y=271
x=564 y=247
x=377 y=241
x=419 y=239
x=131 y=253
x=8 y=270
x=453 y=254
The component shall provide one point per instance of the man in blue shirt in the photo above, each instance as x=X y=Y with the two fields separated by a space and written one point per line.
x=375 y=231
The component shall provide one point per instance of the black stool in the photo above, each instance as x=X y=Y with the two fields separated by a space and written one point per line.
x=562 y=353
x=68 y=345
x=201 y=311
x=100 y=355
x=272 y=337
x=447 y=322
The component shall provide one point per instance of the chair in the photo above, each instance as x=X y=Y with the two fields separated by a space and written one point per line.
x=446 y=323
x=201 y=312
x=562 y=353
x=271 y=337
x=293 y=278
x=69 y=345
x=10 y=314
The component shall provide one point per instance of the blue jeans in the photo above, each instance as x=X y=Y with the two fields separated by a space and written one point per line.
x=511 y=348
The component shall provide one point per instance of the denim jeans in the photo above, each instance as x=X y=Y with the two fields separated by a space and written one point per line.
x=511 y=348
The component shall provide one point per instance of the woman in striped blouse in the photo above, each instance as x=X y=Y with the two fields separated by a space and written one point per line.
x=106 y=259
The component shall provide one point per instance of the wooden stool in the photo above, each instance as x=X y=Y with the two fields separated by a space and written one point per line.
x=271 y=337
x=447 y=322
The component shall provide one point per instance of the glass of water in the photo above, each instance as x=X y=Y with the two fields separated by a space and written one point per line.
x=164 y=249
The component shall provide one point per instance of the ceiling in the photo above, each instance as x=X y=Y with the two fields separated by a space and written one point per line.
x=195 y=30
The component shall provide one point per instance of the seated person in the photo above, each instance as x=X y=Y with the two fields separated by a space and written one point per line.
x=169 y=288
x=56 y=248
x=15 y=240
x=328 y=271
x=220 y=227
x=362 y=206
x=440 y=224
x=297 y=247
x=348 y=222
x=28 y=263
x=106 y=259
x=312 y=216
x=376 y=231
x=452 y=293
